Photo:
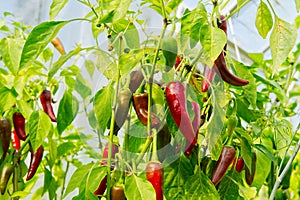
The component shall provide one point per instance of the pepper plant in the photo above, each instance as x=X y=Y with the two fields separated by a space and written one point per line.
x=175 y=115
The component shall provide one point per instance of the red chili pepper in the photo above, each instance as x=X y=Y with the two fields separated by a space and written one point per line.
x=19 y=124
x=136 y=78
x=208 y=77
x=46 y=103
x=15 y=140
x=221 y=69
x=58 y=45
x=102 y=186
x=225 y=159
x=36 y=158
x=223 y=26
x=176 y=99
x=250 y=175
x=196 y=125
x=140 y=104
x=155 y=175
x=177 y=62
x=5 y=131
x=239 y=165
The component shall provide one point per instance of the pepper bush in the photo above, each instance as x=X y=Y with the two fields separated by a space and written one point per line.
x=116 y=111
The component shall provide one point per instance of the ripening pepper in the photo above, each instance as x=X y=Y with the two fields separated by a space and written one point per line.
x=5 y=135
x=56 y=42
x=250 y=174
x=117 y=192
x=136 y=78
x=140 y=104
x=15 y=140
x=5 y=176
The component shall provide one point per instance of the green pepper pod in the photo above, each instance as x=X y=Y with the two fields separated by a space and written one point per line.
x=5 y=176
x=5 y=135
x=250 y=174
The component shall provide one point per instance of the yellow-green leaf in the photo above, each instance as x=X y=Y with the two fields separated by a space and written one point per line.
x=264 y=20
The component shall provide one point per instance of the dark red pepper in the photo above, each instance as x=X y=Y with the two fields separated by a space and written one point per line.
x=208 y=77
x=117 y=193
x=155 y=175
x=5 y=176
x=250 y=174
x=177 y=62
x=102 y=186
x=196 y=125
x=46 y=103
x=15 y=140
x=224 y=161
x=239 y=165
x=136 y=78
x=221 y=69
x=5 y=135
x=140 y=104
x=19 y=124
x=35 y=160
x=176 y=99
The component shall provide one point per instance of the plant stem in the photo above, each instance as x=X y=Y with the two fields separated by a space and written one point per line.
x=285 y=170
x=237 y=9
x=15 y=179
x=164 y=28
x=64 y=180
x=146 y=146
x=112 y=121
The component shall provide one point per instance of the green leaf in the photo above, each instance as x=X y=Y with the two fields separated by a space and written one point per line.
x=176 y=174
x=38 y=39
x=137 y=188
x=282 y=41
x=62 y=60
x=199 y=186
x=90 y=67
x=247 y=193
x=264 y=20
x=213 y=41
x=104 y=63
x=216 y=122
x=246 y=152
x=39 y=126
x=82 y=86
x=282 y=136
x=56 y=7
x=121 y=9
x=250 y=89
x=25 y=108
x=65 y=149
x=132 y=37
x=11 y=49
x=97 y=173
x=130 y=60
x=67 y=111
x=228 y=188
x=7 y=99
x=79 y=177
x=170 y=51
x=103 y=105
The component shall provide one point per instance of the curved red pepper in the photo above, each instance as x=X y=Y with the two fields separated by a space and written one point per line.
x=208 y=77
x=140 y=104
x=221 y=69
x=15 y=140
x=102 y=186
x=176 y=99
x=19 y=124
x=36 y=158
x=155 y=175
x=225 y=159
x=196 y=125
x=5 y=135
x=46 y=103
